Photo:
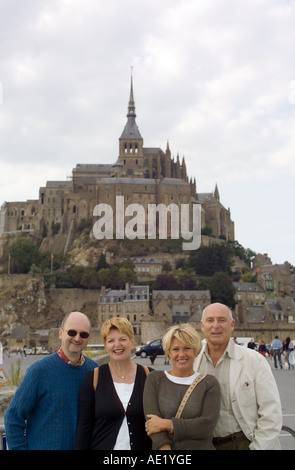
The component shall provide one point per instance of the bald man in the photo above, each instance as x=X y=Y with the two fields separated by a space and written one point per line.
x=251 y=413
x=43 y=412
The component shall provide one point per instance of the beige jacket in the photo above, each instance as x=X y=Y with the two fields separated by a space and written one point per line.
x=254 y=395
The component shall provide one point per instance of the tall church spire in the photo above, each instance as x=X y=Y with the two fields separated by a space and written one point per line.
x=131 y=130
x=131 y=104
x=216 y=193
x=131 y=142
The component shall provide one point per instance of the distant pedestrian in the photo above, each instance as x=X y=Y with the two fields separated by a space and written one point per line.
x=277 y=347
x=262 y=348
x=288 y=348
x=251 y=344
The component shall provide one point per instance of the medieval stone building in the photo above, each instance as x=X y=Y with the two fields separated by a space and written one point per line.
x=142 y=175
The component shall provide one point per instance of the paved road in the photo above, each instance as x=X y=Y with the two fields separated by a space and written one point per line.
x=285 y=380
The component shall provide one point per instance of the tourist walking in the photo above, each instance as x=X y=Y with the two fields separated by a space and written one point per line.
x=262 y=348
x=288 y=348
x=277 y=348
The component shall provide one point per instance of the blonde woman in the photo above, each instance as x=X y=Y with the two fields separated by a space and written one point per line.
x=164 y=391
x=110 y=410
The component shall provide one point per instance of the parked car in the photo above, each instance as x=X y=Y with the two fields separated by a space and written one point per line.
x=151 y=348
x=28 y=351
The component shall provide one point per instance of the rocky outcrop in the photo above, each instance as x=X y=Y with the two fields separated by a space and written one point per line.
x=22 y=302
x=25 y=301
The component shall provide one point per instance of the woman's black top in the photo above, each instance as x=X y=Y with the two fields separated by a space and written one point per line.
x=101 y=413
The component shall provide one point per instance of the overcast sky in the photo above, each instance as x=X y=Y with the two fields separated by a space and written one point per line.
x=216 y=78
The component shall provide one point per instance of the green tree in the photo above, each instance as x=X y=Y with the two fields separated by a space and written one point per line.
x=105 y=277
x=208 y=260
x=187 y=278
x=63 y=279
x=85 y=224
x=102 y=262
x=247 y=275
x=44 y=230
x=222 y=289
x=58 y=261
x=90 y=279
x=55 y=227
x=127 y=275
x=167 y=282
x=207 y=231
x=167 y=268
x=116 y=280
x=243 y=253
x=23 y=254
x=76 y=275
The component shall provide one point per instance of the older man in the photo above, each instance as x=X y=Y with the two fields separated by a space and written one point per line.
x=251 y=415
x=43 y=412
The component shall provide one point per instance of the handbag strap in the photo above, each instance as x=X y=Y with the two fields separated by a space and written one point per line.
x=146 y=369
x=95 y=377
x=188 y=393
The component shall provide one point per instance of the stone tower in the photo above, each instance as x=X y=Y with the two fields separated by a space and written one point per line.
x=131 y=143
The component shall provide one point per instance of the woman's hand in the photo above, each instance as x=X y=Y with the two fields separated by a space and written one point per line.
x=156 y=424
x=165 y=447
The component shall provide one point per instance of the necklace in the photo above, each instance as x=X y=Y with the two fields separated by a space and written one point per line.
x=122 y=376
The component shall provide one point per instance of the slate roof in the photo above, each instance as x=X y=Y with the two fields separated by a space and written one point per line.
x=131 y=130
x=187 y=294
x=248 y=287
x=138 y=293
x=256 y=314
x=19 y=332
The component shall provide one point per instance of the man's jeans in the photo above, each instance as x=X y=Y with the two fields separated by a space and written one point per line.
x=277 y=354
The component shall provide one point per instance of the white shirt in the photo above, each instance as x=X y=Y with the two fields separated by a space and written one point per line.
x=227 y=423
x=124 y=392
x=181 y=380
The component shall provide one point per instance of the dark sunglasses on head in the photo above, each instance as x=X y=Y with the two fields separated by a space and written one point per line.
x=73 y=333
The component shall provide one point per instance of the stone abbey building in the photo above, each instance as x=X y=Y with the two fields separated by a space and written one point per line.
x=142 y=175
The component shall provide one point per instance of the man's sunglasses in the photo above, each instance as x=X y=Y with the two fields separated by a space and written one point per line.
x=73 y=333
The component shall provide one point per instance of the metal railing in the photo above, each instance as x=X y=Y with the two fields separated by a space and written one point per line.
x=289 y=430
x=2 y=437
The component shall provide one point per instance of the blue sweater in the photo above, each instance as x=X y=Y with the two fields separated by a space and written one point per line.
x=45 y=405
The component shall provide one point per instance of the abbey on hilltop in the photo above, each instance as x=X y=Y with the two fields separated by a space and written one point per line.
x=142 y=175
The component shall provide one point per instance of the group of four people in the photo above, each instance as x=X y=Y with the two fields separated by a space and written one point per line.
x=217 y=395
